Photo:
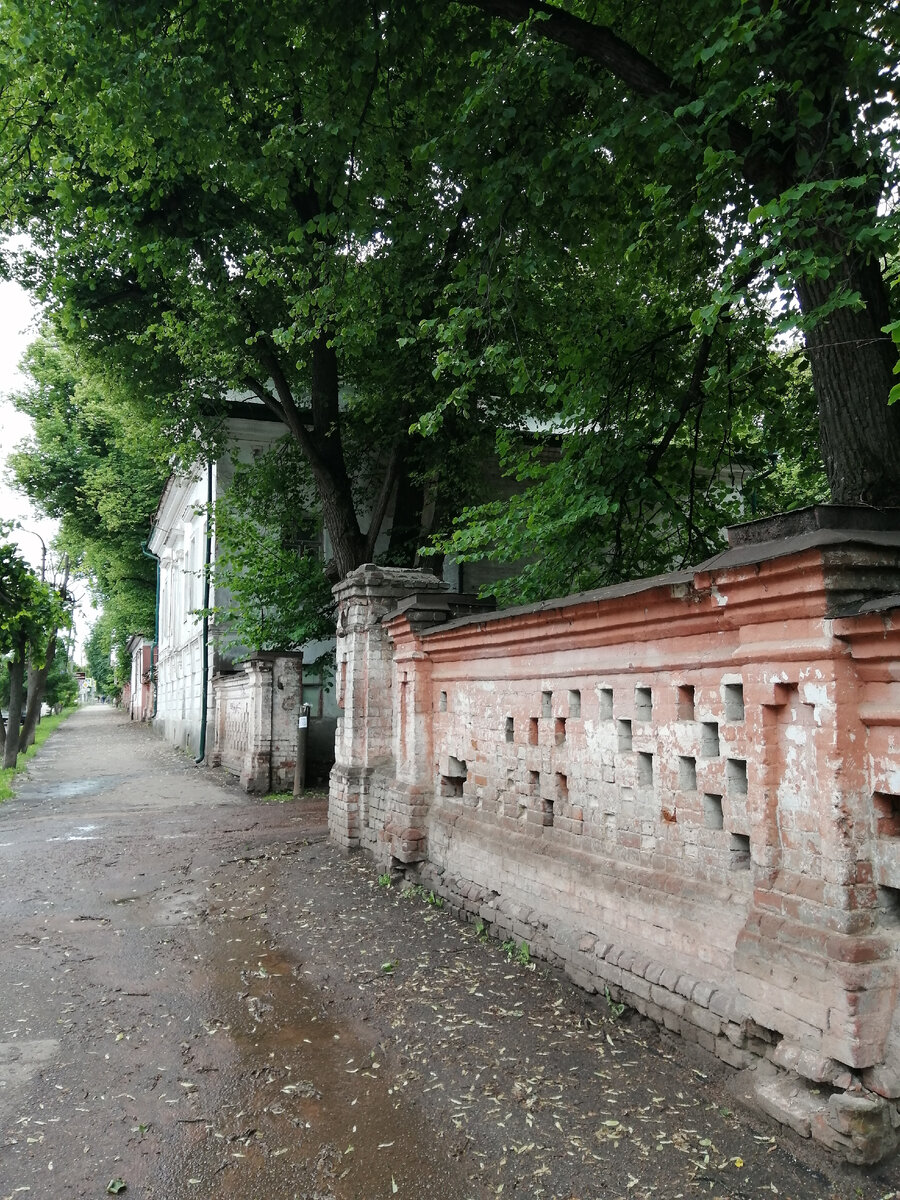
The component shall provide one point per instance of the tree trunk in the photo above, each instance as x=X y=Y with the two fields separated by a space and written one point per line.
x=329 y=467
x=406 y=527
x=852 y=365
x=16 y=696
x=321 y=445
x=37 y=685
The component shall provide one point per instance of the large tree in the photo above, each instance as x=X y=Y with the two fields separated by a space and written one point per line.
x=228 y=197
x=541 y=217
x=786 y=115
x=32 y=612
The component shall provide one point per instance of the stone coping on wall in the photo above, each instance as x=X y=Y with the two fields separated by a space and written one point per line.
x=811 y=518
x=879 y=530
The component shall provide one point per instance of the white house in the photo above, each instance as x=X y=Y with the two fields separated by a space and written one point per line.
x=188 y=654
x=191 y=663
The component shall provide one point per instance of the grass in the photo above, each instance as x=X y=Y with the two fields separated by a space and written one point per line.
x=46 y=727
x=286 y=797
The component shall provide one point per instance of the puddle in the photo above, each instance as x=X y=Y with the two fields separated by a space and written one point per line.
x=21 y=1061
x=310 y=1101
x=77 y=787
x=70 y=789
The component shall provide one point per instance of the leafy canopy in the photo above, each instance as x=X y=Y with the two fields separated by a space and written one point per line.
x=271 y=588
x=97 y=464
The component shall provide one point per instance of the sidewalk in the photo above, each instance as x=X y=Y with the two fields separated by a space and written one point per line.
x=201 y=997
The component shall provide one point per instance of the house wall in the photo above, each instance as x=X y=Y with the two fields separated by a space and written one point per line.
x=178 y=539
x=683 y=790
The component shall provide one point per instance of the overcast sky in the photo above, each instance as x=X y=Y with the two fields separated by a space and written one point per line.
x=18 y=327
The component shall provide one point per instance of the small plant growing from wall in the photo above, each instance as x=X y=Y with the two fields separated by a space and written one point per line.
x=615 y=1008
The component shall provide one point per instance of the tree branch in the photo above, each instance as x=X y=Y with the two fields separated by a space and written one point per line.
x=602 y=45
x=384 y=495
x=692 y=393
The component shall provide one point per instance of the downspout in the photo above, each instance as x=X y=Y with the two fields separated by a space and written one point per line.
x=154 y=649
x=204 y=700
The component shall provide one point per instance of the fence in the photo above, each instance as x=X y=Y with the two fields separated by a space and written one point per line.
x=683 y=789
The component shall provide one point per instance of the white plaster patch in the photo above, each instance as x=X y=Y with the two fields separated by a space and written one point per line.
x=815 y=693
x=894 y=783
x=718 y=597
x=796 y=734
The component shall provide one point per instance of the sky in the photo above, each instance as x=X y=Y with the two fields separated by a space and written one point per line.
x=19 y=319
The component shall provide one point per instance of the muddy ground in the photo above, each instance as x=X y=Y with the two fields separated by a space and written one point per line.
x=200 y=997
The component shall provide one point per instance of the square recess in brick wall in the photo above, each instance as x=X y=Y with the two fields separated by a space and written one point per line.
x=713 y=814
x=887 y=814
x=687 y=774
x=709 y=739
x=733 y=694
x=684 y=708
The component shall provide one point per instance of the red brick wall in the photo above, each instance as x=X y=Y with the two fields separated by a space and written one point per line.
x=685 y=790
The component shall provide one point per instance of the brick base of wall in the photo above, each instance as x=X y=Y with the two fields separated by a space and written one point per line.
x=815 y=1097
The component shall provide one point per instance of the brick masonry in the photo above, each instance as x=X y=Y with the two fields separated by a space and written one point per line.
x=685 y=791
x=256 y=721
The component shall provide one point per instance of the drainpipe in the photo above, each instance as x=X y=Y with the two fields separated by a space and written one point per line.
x=154 y=649
x=204 y=699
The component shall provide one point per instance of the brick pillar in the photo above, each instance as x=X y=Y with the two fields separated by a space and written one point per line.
x=364 y=738
x=287 y=684
x=257 y=756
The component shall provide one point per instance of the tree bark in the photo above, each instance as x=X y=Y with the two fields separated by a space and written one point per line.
x=37 y=685
x=852 y=367
x=329 y=467
x=16 y=696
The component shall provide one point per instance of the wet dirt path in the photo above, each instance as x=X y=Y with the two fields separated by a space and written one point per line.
x=151 y=1029
x=200 y=997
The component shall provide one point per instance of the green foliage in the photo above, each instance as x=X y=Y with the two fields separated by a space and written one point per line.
x=514 y=952
x=267 y=560
x=232 y=199
x=106 y=656
x=588 y=227
x=614 y=1007
x=62 y=682
x=605 y=502
x=30 y=610
x=98 y=465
